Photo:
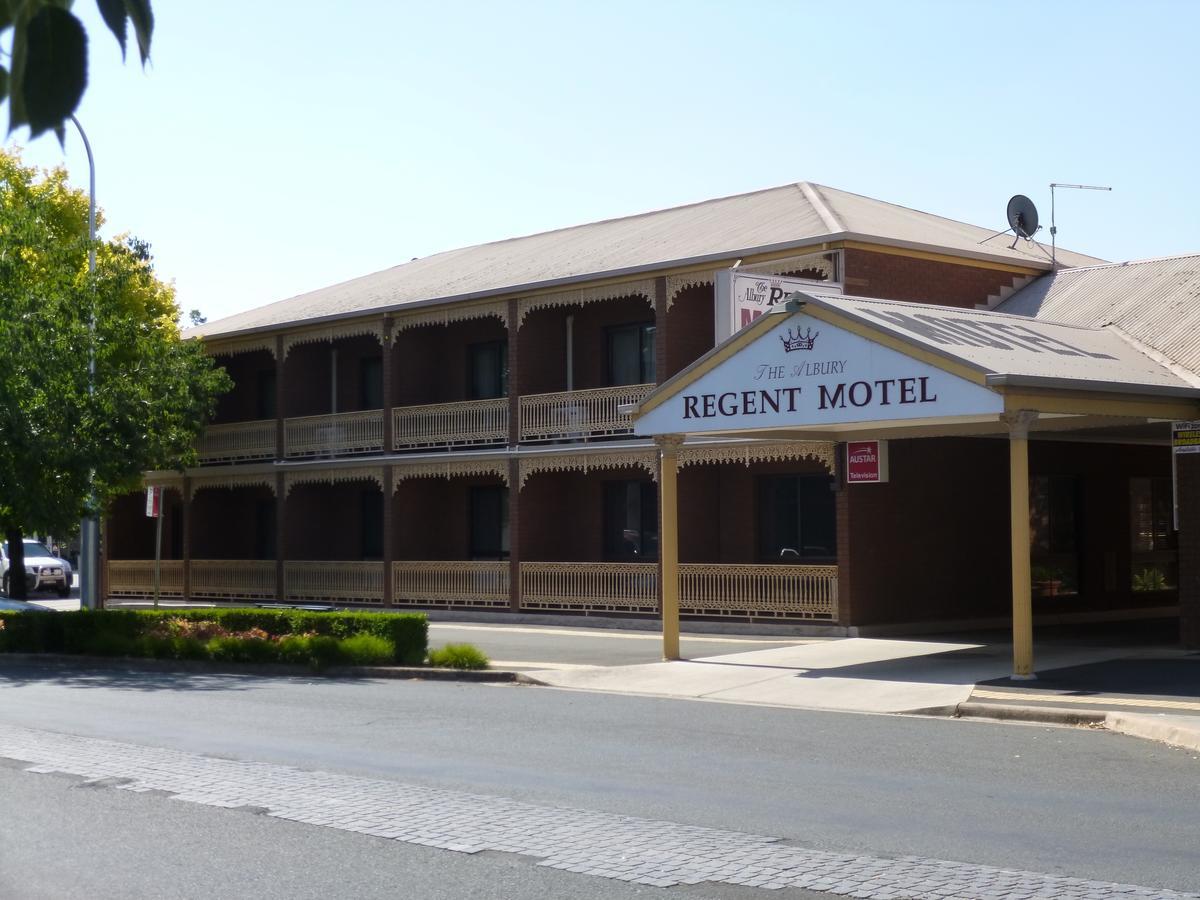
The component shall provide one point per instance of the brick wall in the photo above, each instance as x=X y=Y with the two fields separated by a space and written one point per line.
x=324 y=521
x=891 y=277
x=131 y=531
x=431 y=364
x=689 y=329
x=240 y=404
x=562 y=514
x=225 y=522
x=433 y=517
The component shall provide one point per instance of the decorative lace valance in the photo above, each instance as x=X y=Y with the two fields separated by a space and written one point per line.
x=579 y=296
x=821 y=451
x=455 y=469
x=585 y=462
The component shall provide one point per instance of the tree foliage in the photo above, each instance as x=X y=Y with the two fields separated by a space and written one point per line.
x=47 y=71
x=151 y=390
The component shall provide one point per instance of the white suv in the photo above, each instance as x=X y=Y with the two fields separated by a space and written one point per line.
x=43 y=572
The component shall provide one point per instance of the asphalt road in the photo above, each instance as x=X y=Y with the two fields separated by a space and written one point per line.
x=1073 y=802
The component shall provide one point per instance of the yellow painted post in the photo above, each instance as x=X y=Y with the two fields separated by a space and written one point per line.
x=1022 y=594
x=668 y=505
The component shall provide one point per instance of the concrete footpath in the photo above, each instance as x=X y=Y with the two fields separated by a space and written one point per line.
x=932 y=677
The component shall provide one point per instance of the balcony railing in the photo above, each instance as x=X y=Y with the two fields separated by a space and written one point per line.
x=237 y=441
x=451 y=583
x=359 y=582
x=451 y=424
x=590 y=587
x=243 y=579
x=352 y=432
x=570 y=414
x=135 y=578
x=766 y=591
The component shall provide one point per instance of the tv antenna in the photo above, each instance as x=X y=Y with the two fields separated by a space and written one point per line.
x=1053 y=227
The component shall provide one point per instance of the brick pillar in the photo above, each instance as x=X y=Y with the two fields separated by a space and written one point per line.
x=389 y=536
x=389 y=441
x=279 y=394
x=514 y=535
x=280 y=533
x=187 y=538
x=660 y=329
x=514 y=381
x=1187 y=481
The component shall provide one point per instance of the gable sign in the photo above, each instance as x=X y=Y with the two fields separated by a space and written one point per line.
x=741 y=297
x=808 y=373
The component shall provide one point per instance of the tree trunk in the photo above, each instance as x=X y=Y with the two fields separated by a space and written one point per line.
x=16 y=563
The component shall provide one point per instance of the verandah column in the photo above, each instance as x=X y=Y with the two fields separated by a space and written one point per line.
x=668 y=542
x=280 y=530
x=279 y=394
x=389 y=532
x=660 y=329
x=389 y=440
x=514 y=379
x=514 y=536
x=1022 y=589
x=187 y=538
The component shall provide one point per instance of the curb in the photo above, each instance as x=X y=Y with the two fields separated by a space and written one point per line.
x=1167 y=729
x=191 y=666
x=1045 y=715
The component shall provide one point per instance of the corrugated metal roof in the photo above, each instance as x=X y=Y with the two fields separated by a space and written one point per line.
x=1154 y=301
x=728 y=227
x=1016 y=349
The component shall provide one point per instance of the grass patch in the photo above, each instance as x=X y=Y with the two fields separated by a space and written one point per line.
x=459 y=656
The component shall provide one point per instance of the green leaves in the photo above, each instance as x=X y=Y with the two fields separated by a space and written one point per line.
x=48 y=71
x=55 y=68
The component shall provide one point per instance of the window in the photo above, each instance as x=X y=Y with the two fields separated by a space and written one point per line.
x=370 y=382
x=1054 y=517
x=1154 y=563
x=489 y=523
x=630 y=521
x=372 y=524
x=797 y=518
x=487 y=375
x=631 y=354
x=264 y=529
x=266 y=394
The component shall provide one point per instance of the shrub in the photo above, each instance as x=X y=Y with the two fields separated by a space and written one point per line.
x=246 y=635
x=458 y=656
x=368 y=650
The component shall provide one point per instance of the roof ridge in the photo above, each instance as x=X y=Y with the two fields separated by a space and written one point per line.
x=1128 y=262
x=828 y=217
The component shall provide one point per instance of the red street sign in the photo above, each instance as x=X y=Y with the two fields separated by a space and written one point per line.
x=866 y=462
x=153 y=502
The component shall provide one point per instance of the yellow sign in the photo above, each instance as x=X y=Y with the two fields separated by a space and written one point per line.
x=1185 y=437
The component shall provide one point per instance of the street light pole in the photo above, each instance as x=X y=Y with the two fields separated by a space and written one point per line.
x=89 y=530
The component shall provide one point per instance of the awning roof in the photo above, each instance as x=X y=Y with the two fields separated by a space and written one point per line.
x=833 y=364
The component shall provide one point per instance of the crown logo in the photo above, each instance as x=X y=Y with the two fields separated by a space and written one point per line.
x=799 y=341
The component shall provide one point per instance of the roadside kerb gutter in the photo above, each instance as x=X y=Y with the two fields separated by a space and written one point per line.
x=193 y=666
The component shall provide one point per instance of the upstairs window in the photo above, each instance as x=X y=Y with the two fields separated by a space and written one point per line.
x=370 y=382
x=631 y=354
x=487 y=370
x=266 y=394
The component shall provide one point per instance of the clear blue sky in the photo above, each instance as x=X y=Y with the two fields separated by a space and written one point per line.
x=270 y=149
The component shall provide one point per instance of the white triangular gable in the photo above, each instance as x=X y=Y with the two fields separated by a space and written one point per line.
x=805 y=373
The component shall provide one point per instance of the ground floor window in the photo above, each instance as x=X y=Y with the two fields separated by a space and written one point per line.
x=797 y=519
x=1054 y=519
x=630 y=521
x=489 y=523
x=1154 y=563
x=372 y=524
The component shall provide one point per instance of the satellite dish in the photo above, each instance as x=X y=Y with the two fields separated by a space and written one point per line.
x=1022 y=216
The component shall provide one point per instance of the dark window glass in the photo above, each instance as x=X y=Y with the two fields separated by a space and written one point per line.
x=797 y=518
x=630 y=521
x=1154 y=564
x=631 y=354
x=372 y=524
x=489 y=523
x=175 y=512
x=488 y=370
x=266 y=394
x=264 y=529
x=1054 y=519
x=370 y=382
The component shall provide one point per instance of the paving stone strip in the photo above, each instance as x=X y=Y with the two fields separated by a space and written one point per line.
x=642 y=851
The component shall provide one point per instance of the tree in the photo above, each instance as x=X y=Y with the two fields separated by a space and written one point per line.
x=47 y=70
x=151 y=391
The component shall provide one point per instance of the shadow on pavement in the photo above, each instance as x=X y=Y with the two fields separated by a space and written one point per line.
x=131 y=678
x=1134 y=676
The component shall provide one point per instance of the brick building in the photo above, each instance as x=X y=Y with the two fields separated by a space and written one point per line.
x=456 y=432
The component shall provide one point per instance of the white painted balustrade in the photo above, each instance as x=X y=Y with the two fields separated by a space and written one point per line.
x=451 y=424
x=237 y=441
x=451 y=583
x=592 y=413
x=352 y=432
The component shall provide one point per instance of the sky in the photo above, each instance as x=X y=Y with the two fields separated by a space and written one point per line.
x=271 y=149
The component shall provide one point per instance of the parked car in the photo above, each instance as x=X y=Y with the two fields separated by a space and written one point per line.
x=43 y=572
